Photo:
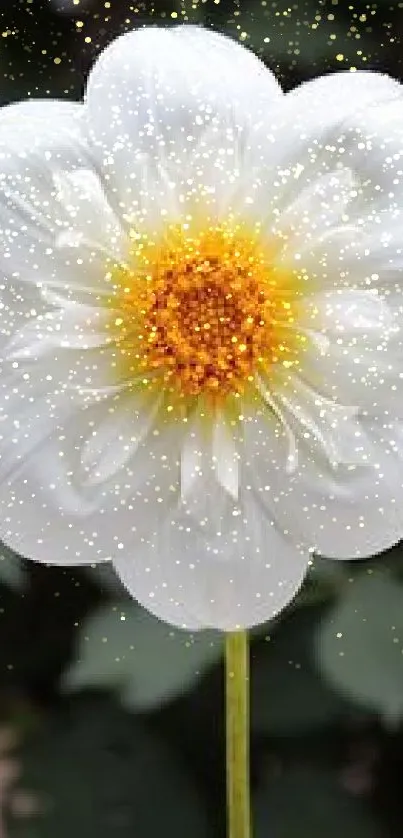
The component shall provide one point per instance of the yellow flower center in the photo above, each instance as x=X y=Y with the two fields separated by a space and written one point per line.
x=204 y=311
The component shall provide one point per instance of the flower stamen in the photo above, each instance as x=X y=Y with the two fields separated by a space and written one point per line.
x=205 y=311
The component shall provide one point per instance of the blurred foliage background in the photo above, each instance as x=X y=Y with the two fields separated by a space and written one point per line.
x=111 y=723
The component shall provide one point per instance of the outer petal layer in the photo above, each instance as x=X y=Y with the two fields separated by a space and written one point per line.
x=241 y=577
x=336 y=152
x=170 y=111
x=354 y=349
x=56 y=234
x=330 y=480
x=97 y=480
x=56 y=226
x=106 y=484
x=218 y=553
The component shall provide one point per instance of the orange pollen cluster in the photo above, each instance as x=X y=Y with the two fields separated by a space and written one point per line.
x=204 y=311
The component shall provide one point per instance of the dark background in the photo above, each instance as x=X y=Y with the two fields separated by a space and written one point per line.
x=111 y=723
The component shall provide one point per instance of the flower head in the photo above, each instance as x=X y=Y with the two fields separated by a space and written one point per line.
x=200 y=334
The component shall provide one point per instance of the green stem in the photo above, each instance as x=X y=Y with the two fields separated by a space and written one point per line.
x=237 y=718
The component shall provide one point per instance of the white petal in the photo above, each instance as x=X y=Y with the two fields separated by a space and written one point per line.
x=241 y=577
x=226 y=457
x=57 y=233
x=83 y=485
x=316 y=211
x=366 y=251
x=363 y=249
x=72 y=348
x=112 y=445
x=72 y=326
x=170 y=111
x=344 y=495
x=209 y=462
x=354 y=349
x=56 y=227
x=30 y=410
x=342 y=122
x=307 y=129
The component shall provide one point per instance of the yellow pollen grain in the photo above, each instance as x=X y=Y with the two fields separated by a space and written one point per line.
x=203 y=311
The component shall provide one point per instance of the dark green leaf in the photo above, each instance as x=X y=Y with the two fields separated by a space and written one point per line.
x=359 y=644
x=121 y=645
x=306 y=803
x=100 y=773
x=12 y=570
x=288 y=695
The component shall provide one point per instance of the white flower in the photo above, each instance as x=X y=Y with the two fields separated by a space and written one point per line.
x=201 y=290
